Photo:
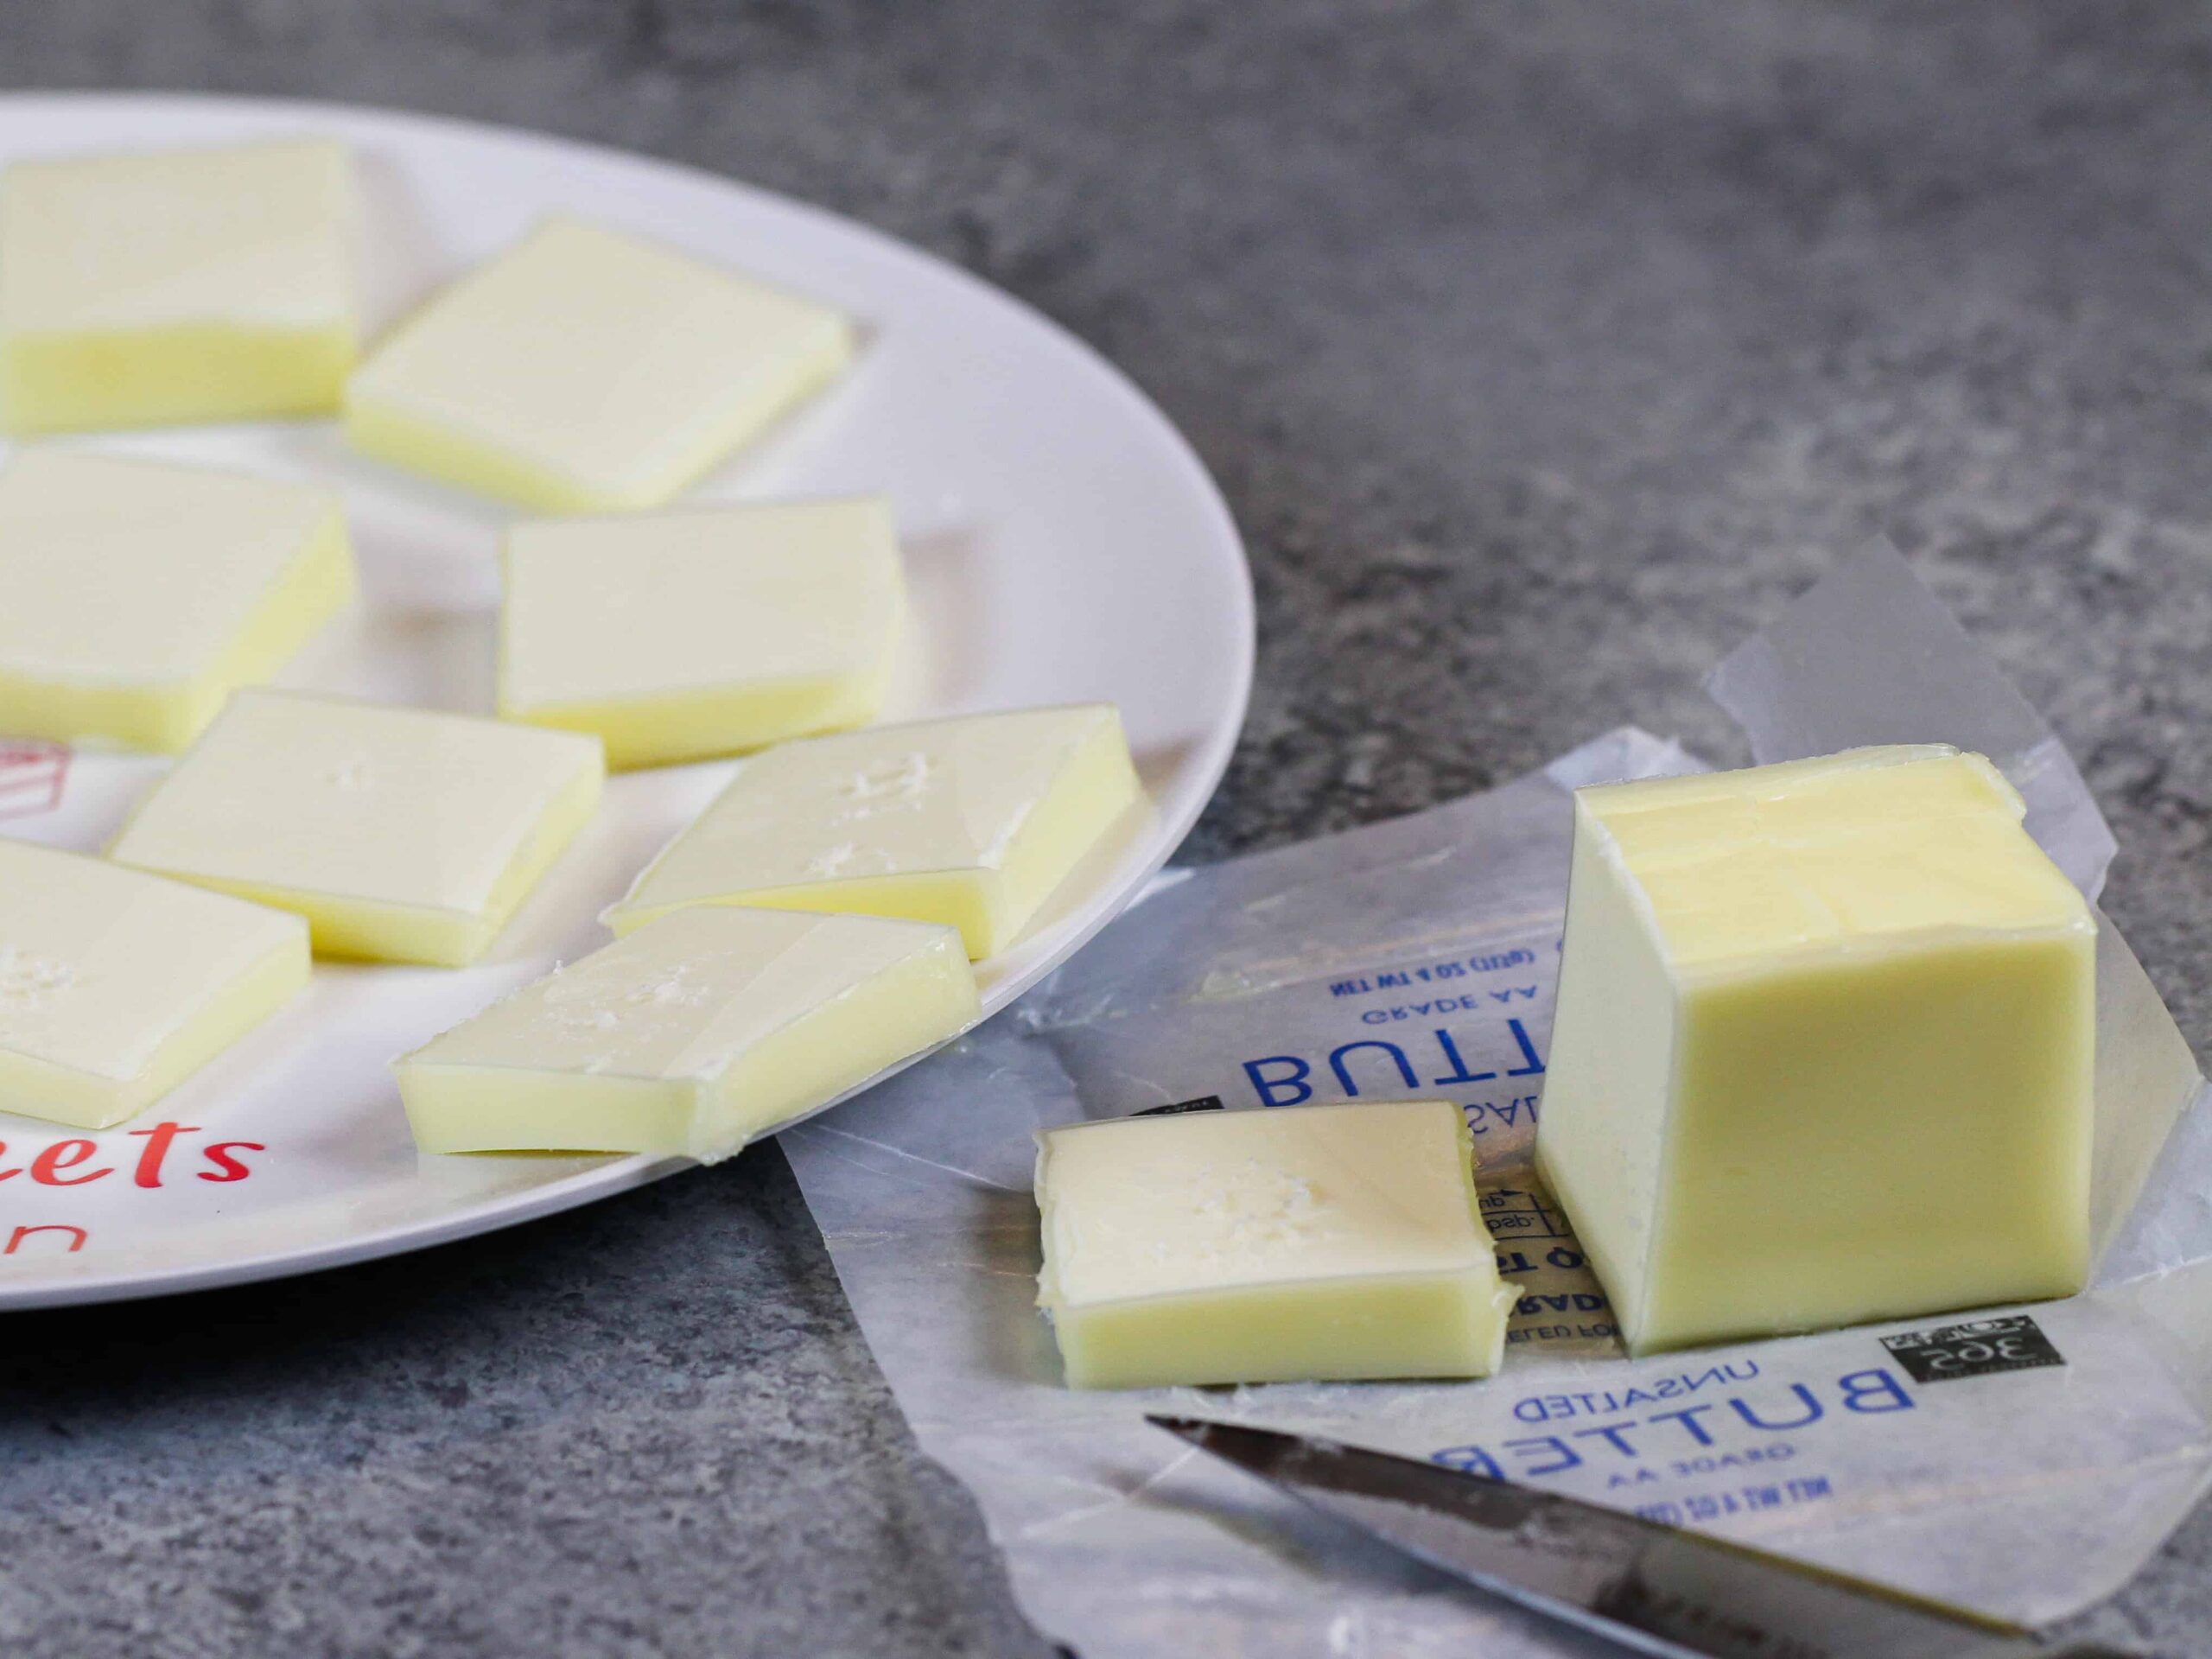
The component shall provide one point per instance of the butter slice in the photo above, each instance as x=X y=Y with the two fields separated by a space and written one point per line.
x=183 y=285
x=691 y=1036
x=583 y=369
x=401 y=834
x=116 y=986
x=138 y=594
x=677 y=636
x=1823 y=1048
x=1278 y=1245
x=970 y=821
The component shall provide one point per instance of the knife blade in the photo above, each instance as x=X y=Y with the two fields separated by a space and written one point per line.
x=1652 y=1588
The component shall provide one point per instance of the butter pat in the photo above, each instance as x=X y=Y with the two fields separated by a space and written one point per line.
x=1823 y=1048
x=691 y=1036
x=971 y=821
x=677 y=636
x=1289 y=1244
x=583 y=369
x=401 y=834
x=116 y=986
x=138 y=594
x=187 y=285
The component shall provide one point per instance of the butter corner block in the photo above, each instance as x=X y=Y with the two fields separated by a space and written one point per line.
x=1823 y=1051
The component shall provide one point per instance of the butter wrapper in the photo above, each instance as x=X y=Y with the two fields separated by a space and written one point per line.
x=2022 y=1460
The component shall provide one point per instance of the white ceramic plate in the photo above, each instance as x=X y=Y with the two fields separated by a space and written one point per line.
x=1063 y=545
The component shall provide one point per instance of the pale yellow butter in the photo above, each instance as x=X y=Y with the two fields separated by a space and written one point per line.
x=115 y=985
x=1284 y=1244
x=971 y=821
x=1823 y=1048
x=400 y=833
x=675 y=636
x=183 y=285
x=691 y=1036
x=584 y=369
x=134 y=595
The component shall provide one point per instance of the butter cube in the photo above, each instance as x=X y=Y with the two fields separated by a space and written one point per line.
x=1823 y=1048
x=970 y=821
x=583 y=369
x=677 y=636
x=1284 y=1244
x=116 y=986
x=138 y=594
x=691 y=1036
x=185 y=285
x=401 y=834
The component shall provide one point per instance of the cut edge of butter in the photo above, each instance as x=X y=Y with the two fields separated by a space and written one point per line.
x=712 y=722
x=191 y=375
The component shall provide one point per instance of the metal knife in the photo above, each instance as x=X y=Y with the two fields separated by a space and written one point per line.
x=1654 y=1589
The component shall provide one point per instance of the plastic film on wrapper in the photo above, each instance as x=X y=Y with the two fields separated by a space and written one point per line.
x=1418 y=958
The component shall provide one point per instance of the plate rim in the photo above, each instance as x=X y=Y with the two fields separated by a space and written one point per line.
x=627 y=1174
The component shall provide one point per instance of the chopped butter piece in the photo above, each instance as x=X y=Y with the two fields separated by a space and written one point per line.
x=116 y=986
x=1823 y=1048
x=692 y=1036
x=183 y=285
x=138 y=594
x=971 y=821
x=1282 y=1244
x=584 y=369
x=677 y=636
x=401 y=834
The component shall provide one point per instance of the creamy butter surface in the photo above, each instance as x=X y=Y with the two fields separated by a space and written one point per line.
x=675 y=636
x=115 y=985
x=1823 y=1048
x=691 y=1036
x=1289 y=1244
x=970 y=821
x=183 y=285
x=400 y=833
x=584 y=369
x=138 y=593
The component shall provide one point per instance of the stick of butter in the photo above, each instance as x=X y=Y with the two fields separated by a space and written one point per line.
x=970 y=821
x=187 y=285
x=1284 y=1244
x=116 y=986
x=691 y=1036
x=1823 y=1048
x=677 y=636
x=401 y=834
x=583 y=370
x=138 y=594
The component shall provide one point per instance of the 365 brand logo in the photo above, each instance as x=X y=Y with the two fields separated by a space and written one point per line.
x=1974 y=1348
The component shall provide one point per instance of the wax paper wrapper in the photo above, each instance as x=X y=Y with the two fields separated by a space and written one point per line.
x=2022 y=1460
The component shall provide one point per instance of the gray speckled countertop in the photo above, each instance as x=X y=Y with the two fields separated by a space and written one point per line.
x=1542 y=348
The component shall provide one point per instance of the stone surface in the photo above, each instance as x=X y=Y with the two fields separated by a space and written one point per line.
x=1541 y=349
